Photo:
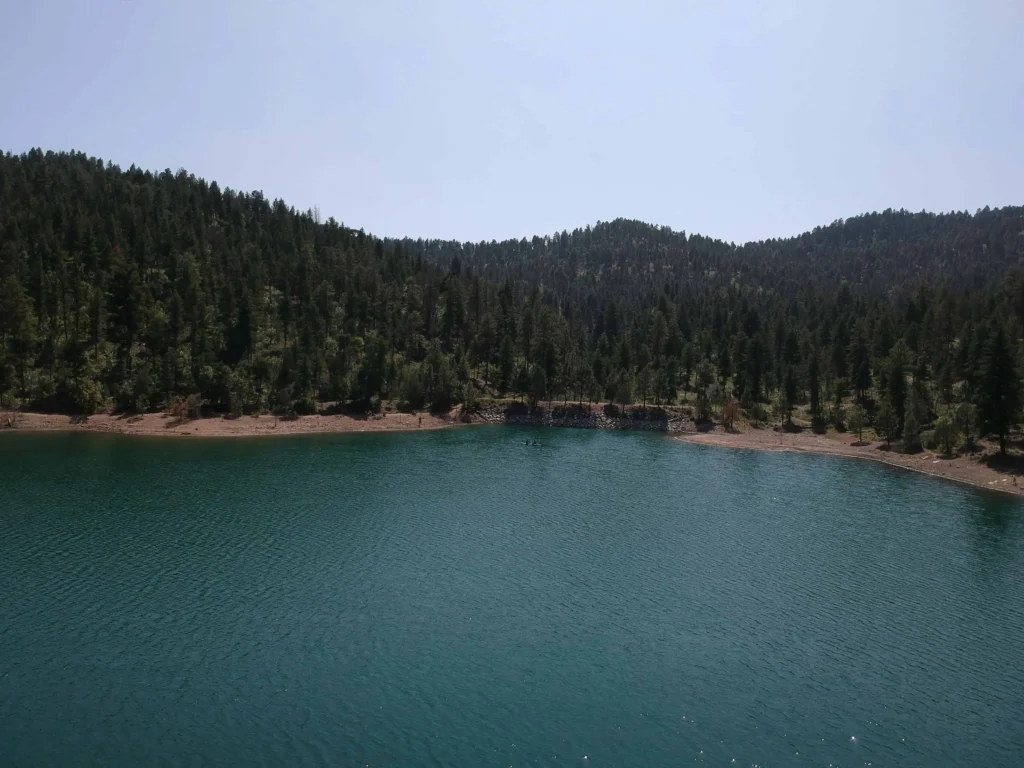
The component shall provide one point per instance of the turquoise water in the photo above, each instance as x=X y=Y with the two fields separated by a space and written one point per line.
x=458 y=598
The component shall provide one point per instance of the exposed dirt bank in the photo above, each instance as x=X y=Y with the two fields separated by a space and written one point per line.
x=250 y=426
x=975 y=470
x=162 y=424
x=968 y=469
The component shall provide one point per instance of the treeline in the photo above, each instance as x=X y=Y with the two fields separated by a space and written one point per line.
x=132 y=290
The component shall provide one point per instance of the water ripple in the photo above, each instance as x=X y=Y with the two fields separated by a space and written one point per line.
x=458 y=598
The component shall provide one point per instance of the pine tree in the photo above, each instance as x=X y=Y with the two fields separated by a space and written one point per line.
x=896 y=384
x=506 y=365
x=705 y=378
x=999 y=388
x=966 y=417
x=945 y=432
x=886 y=424
x=624 y=387
x=860 y=366
x=789 y=393
x=911 y=426
x=139 y=290
x=857 y=419
x=17 y=336
x=814 y=389
x=538 y=384
x=644 y=382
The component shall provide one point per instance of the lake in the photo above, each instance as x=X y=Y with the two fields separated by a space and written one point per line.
x=457 y=598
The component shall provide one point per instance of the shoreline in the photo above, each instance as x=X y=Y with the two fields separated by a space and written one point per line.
x=962 y=469
x=164 y=425
x=965 y=470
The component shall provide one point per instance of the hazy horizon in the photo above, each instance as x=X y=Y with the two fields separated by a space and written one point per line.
x=451 y=121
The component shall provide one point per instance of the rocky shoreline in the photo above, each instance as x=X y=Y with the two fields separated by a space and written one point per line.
x=587 y=417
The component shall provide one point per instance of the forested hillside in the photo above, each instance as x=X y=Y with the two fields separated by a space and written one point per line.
x=132 y=290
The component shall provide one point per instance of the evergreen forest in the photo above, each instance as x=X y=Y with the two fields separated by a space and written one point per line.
x=131 y=290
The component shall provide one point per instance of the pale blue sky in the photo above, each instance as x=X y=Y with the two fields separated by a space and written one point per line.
x=479 y=120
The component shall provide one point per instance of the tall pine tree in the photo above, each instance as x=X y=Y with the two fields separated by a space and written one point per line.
x=998 y=388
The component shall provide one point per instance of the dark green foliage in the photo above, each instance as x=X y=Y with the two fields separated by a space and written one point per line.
x=896 y=383
x=623 y=388
x=814 y=389
x=789 y=393
x=911 y=429
x=860 y=366
x=999 y=394
x=538 y=383
x=945 y=432
x=127 y=289
x=887 y=424
x=966 y=419
x=857 y=419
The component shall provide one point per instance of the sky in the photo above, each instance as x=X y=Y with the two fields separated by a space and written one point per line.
x=471 y=120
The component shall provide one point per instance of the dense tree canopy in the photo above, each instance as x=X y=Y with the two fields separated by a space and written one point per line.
x=128 y=289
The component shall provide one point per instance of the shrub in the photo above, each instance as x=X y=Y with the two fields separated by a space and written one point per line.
x=886 y=423
x=470 y=398
x=911 y=433
x=945 y=433
x=412 y=388
x=86 y=395
x=837 y=417
x=857 y=419
x=757 y=414
x=306 y=406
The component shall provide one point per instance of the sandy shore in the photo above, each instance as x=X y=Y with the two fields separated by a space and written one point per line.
x=161 y=424
x=963 y=469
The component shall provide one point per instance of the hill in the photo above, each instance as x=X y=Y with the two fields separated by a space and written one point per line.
x=134 y=290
